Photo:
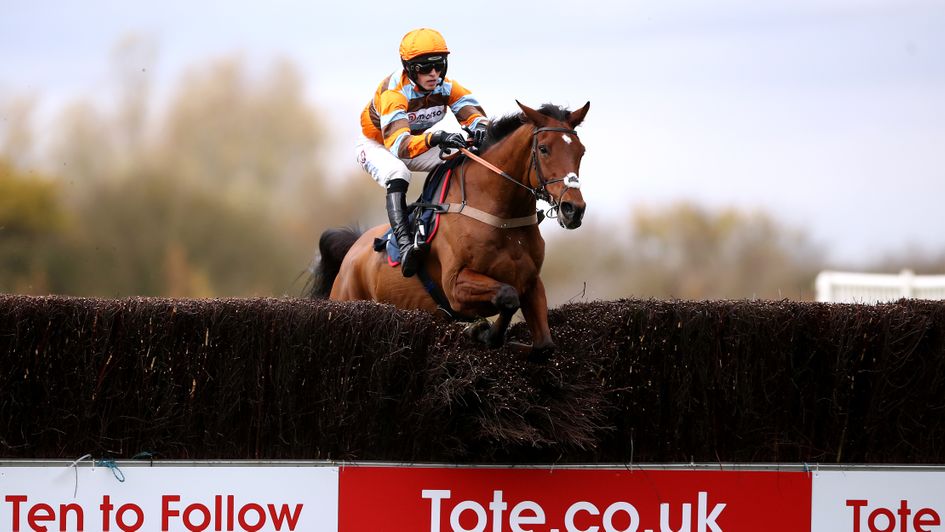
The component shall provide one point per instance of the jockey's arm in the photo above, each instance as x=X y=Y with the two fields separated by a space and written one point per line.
x=466 y=107
x=396 y=129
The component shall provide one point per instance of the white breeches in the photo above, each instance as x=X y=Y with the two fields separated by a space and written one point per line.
x=384 y=166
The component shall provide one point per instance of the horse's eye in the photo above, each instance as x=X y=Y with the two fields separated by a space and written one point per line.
x=543 y=149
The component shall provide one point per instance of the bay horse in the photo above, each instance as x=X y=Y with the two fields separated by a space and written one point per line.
x=483 y=265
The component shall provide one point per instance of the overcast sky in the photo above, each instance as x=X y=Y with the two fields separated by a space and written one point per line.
x=830 y=114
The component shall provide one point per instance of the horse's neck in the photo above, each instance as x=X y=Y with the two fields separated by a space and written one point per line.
x=514 y=152
x=498 y=194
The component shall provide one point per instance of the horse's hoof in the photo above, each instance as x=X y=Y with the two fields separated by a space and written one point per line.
x=532 y=354
x=478 y=330
x=540 y=355
x=519 y=349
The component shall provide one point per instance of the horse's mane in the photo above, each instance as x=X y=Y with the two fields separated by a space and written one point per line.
x=504 y=126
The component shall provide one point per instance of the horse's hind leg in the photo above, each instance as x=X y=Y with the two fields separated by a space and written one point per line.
x=472 y=289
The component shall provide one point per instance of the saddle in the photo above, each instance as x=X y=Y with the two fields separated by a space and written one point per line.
x=423 y=218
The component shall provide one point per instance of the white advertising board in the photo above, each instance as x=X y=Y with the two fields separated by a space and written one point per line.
x=878 y=501
x=185 y=499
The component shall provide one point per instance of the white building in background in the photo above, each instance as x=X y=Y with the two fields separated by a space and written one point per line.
x=846 y=287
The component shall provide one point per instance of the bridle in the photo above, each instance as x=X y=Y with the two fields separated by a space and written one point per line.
x=541 y=191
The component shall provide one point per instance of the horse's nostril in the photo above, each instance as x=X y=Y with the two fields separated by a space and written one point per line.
x=567 y=209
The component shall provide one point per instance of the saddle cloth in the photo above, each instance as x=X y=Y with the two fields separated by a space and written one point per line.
x=421 y=221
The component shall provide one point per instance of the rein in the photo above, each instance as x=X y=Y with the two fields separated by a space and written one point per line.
x=498 y=170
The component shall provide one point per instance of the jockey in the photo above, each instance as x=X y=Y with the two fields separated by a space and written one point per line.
x=394 y=127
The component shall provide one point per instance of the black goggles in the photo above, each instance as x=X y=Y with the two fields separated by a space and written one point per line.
x=428 y=66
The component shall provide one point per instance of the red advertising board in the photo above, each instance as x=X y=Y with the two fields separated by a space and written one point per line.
x=572 y=500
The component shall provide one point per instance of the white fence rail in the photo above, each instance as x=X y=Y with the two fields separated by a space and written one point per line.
x=846 y=287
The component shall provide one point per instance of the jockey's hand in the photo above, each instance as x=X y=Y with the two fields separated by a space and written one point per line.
x=478 y=134
x=447 y=139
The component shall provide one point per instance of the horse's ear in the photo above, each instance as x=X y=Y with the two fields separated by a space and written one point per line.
x=532 y=115
x=576 y=117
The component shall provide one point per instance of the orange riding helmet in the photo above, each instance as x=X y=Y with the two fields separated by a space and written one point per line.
x=421 y=46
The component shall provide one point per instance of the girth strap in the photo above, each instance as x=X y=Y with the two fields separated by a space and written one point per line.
x=437 y=294
x=494 y=221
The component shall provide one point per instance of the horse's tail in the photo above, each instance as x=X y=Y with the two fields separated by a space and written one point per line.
x=332 y=248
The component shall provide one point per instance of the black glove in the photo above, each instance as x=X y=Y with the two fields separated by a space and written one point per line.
x=446 y=139
x=478 y=134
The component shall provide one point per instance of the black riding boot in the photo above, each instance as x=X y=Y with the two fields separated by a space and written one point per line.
x=397 y=214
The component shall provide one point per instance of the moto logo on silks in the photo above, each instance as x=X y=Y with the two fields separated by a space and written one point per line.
x=433 y=114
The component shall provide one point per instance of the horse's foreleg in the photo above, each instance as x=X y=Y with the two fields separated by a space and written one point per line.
x=535 y=310
x=472 y=289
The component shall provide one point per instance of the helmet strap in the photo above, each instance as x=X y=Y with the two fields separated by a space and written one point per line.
x=410 y=74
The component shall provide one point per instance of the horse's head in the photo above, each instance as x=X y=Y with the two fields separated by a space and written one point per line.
x=556 y=161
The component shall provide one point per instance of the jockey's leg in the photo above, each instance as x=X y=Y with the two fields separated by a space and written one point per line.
x=410 y=253
x=392 y=174
x=397 y=215
x=425 y=162
x=472 y=288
